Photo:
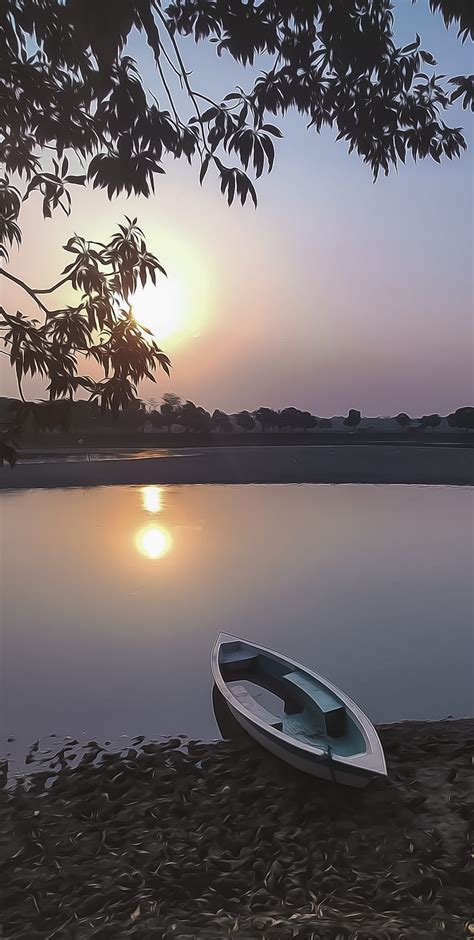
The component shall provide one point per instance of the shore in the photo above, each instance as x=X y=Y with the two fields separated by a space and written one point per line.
x=194 y=840
x=365 y=463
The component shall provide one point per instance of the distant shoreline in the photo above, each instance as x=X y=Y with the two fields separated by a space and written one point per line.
x=366 y=463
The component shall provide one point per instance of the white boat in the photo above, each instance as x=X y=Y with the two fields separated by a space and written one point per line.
x=318 y=729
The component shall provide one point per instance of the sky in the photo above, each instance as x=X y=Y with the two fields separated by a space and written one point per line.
x=334 y=294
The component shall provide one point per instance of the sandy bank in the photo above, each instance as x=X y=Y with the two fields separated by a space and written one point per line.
x=221 y=840
x=318 y=464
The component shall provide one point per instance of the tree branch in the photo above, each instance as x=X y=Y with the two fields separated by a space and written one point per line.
x=49 y=290
x=168 y=92
x=171 y=63
x=17 y=280
x=185 y=76
x=222 y=107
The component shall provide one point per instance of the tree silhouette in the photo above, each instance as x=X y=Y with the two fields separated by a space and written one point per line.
x=170 y=409
x=245 y=421
x=157 y=420
x=170 y=398
x=462 y=418
x=353 y=419
x=403 y=420
x=266 y=417
x=308 y=421
x=324 y=424
x=70 y=87
x=290 y=418
x=194 y=418
x=132 y=418
x=75 y=109
x=430 y=421
x=220 y=421
x=99 y=326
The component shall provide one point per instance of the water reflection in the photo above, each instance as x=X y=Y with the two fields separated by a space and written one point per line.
x=229 y=728
x=152 y=498
x=153 y=541
x=370 y=585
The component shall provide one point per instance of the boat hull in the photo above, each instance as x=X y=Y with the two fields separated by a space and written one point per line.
x=301 y=760
x=355 y=769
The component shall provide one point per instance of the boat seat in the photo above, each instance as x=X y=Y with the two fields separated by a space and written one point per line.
x=244 y=697
x=331 y=709
x=237 y=657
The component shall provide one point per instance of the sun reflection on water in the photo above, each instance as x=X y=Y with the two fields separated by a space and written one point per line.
x=153 y=541
x=152 y=498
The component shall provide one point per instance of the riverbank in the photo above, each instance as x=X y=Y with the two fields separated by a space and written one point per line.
x=222 y=840
x=365 y=463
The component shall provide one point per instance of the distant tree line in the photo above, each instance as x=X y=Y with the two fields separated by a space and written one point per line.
x=85 y=417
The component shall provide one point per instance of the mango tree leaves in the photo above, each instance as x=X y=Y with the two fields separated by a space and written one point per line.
x=75 y=109
x=101 y=327
x=74 y=106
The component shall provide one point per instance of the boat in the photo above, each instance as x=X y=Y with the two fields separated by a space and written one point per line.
x=310 y=723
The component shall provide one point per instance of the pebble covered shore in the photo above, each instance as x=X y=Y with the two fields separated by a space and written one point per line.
x=194 y=840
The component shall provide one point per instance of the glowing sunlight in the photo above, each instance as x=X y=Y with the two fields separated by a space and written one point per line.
x=152 y=498
x=160 y=308
x=153 y=541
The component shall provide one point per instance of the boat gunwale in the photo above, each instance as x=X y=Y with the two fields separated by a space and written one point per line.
x=371 y=760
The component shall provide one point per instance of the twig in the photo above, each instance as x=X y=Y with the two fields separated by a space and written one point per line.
x=53 y=934
x=171 y=63
x=168 y=92
x=222 y=107
x=49 y=290
x=17 y=280
x=185 y=76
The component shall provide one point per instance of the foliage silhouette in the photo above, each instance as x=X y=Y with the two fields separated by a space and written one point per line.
x=99 y=326
x=170 y=398
x=290 y=418
x=245 y=421
x=79 y=419
x=403 y=420
x=74 y=109
x=353 y=419
x=295 y=419
x=430 y=421
x=308 y=421
x=462 y=418
x=156 y=419
x=220 y=421
x=194 y=418
x=69 y=86
x=170 y=409
x=266 y=417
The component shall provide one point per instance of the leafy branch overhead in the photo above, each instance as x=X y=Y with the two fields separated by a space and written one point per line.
x=74 y=106
x=75 y=110
x=100 y=327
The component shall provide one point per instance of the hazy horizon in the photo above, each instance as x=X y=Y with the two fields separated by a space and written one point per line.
x=334 y=294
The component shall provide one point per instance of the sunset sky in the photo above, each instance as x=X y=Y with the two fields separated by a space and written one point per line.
x=334 y=293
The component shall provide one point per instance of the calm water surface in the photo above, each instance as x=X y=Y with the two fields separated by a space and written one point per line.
x=112 y=598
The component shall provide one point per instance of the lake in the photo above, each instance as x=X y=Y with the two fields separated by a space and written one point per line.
x=112 y=598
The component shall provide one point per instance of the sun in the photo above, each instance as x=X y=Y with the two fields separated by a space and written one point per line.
x=153 y=541
x=160 y=308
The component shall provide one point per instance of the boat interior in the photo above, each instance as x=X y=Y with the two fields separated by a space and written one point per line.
x=301 y=706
